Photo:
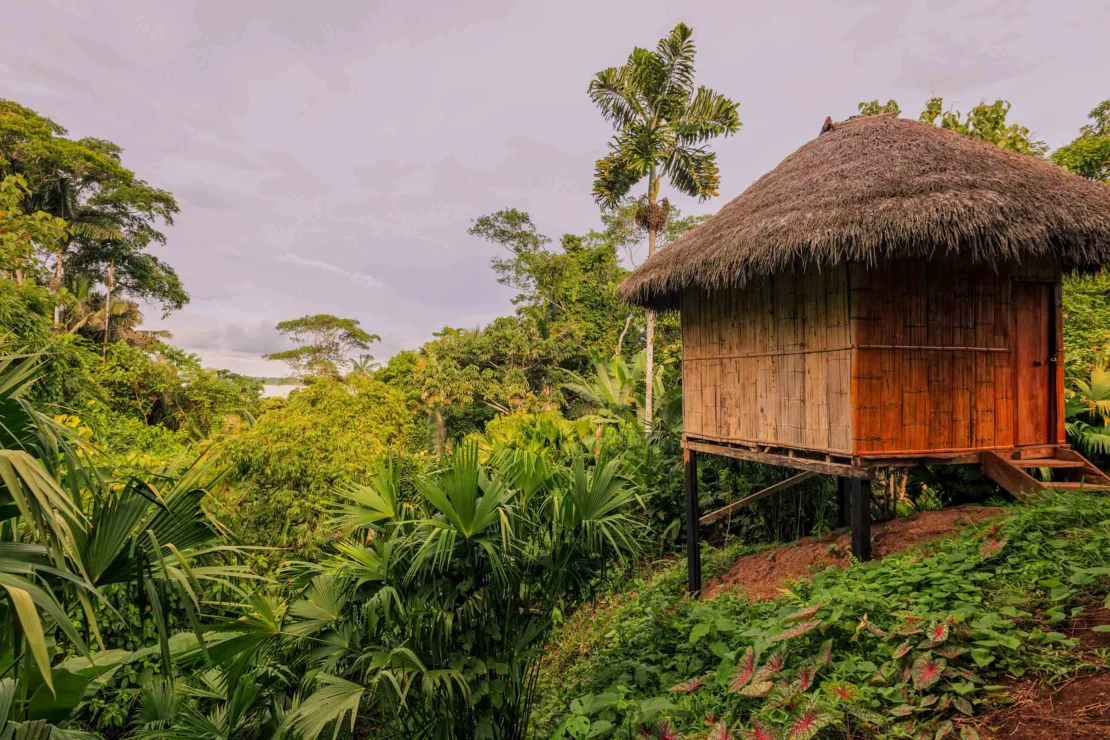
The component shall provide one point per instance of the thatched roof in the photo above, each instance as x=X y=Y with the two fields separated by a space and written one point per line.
x=880 y=186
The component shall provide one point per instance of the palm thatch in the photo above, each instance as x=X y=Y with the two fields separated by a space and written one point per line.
x=877 y=187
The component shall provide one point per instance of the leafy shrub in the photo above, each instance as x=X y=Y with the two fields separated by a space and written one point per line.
x=285 y=466
x=901 y=646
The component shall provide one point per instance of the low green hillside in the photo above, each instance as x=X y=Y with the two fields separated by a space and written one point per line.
x=908 y=647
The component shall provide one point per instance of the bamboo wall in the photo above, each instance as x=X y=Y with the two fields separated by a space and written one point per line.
x=909 y=356
x=770 y=363
x=934 y=364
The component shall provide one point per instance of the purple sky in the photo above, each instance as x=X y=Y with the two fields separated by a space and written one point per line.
x=328 y=156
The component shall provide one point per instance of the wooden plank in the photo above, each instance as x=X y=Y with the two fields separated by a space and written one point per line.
x=1046 y=462
x=1091 y=472
x=783 y=461
x=1040 y=451
x=1012 y=479
x=768 y=491
x=921 y=458
x=1071 y=486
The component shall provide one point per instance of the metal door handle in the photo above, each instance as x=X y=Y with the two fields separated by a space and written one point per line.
x=1037 y=363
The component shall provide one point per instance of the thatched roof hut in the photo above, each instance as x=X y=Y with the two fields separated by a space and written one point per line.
x=879 y=186
x=889 y=295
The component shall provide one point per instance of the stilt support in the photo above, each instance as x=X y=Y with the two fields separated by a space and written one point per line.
x=693 y=538
x=860 y=504
x=844 y=512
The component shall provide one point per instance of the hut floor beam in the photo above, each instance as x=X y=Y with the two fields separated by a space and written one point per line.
x=781 y=459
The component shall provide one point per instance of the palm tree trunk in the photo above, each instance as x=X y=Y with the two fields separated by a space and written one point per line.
x=108 y=306
x=439 y=438
x=55 y=283
x=650 y=328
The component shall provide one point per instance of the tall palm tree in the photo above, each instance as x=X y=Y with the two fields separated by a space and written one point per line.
x=663 y=124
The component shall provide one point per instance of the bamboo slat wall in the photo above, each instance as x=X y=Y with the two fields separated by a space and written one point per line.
x=904 y=357
x=934 y=365
x=770 y=363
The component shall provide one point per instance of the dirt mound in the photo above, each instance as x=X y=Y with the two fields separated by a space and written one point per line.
x=763 y=575
x=1078 y=710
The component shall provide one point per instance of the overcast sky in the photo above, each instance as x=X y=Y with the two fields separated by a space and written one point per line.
x=329 y=156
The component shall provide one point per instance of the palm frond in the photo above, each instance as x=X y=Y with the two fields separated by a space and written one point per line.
x=611 y=92
x=693 y=172
x=675 y=59
x=614 y=176
x=333 y=701
x=708 y=116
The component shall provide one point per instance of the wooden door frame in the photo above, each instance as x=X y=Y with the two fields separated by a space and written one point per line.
x=1056 y=364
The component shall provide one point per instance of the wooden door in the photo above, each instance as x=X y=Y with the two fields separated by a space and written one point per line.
x=1035 y=362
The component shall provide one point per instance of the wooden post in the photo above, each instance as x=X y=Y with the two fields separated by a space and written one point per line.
x=861 y=519
x=693 y=539
x=844 y=513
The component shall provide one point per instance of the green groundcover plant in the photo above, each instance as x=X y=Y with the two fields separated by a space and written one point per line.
x=908 y=647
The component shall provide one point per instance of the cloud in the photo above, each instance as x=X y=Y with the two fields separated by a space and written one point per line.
x=301 y=144
x=359 y=277
x=209 y=334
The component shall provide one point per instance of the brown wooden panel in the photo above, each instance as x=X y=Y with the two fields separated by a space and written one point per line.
x=1034 y=377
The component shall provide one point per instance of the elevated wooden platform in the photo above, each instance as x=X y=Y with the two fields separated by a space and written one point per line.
x=1057 y=467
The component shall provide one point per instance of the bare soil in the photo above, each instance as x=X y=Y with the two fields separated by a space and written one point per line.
x=1083 y=628
x=1078 y=709
x=764 y=575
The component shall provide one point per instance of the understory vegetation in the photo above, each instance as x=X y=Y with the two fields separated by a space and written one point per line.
x=477 y=537
x=912 y=646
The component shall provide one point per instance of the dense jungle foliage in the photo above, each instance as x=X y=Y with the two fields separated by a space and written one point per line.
x=391 y=550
